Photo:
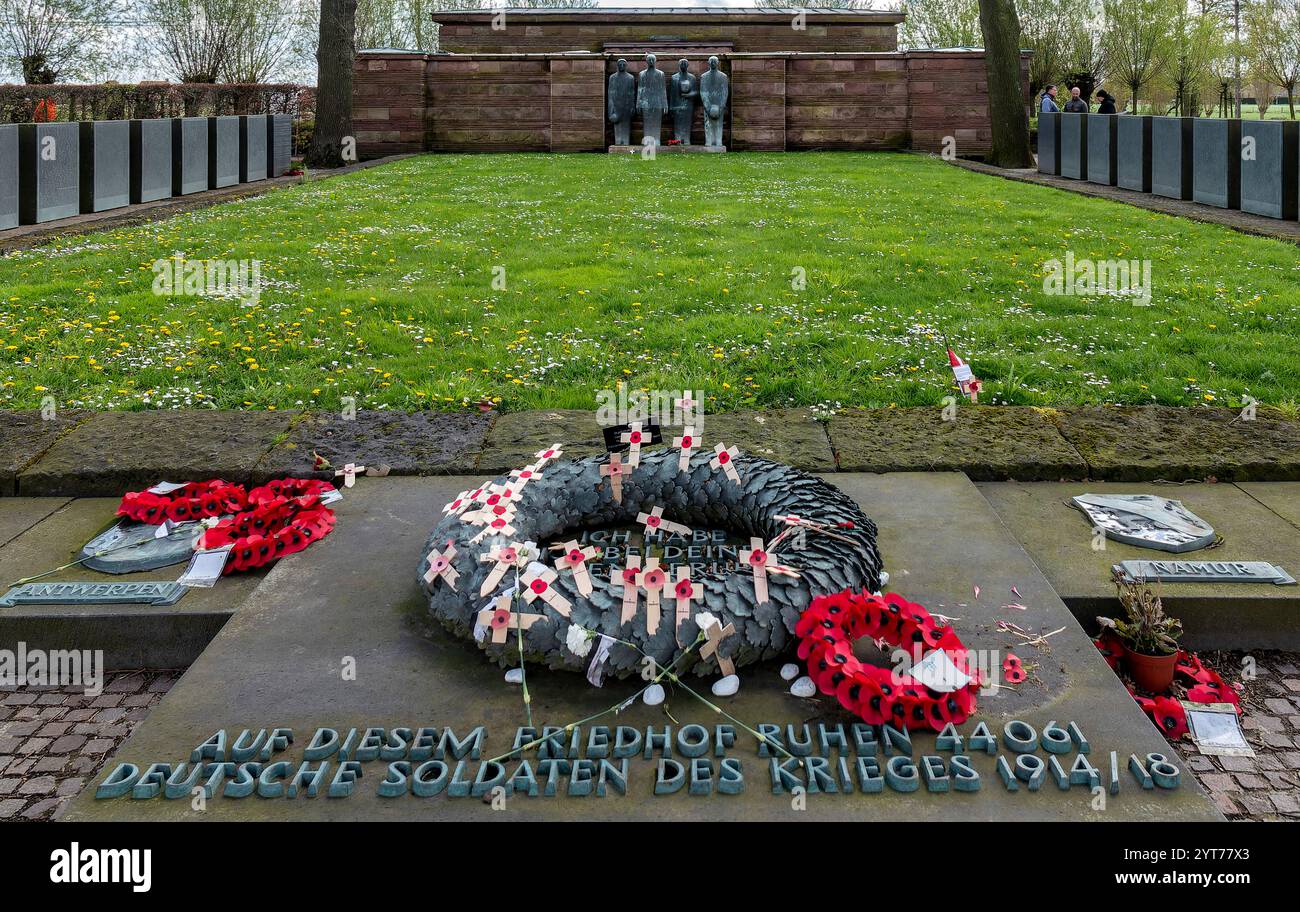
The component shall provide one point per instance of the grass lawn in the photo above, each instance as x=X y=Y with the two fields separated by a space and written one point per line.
x=666 y=274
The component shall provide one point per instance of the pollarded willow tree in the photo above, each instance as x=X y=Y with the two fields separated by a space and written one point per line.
x=1196 y=40
x=46 y=41
x=940 y=24
x=223 y=40
x=1135 y=42
x=1274 y=43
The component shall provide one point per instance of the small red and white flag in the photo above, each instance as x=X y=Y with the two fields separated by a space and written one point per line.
x=967 y=382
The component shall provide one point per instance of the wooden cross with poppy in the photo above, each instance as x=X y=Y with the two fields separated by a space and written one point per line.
x=724 y=457
x=653 y=579
x=523 y=476
x=633 y=437
x=687 y=442
x=499 y=524
x=629 y=578
x=654 y=522
x=440 y=566
x=502 y=558
x=614 y=470
x=349 y=473
x=762 y=564
x=459 y=505
x=540 y=584
x=575 y=559
x=685 y=591
x=501 y=620
x=687 y=406
x=716 y=634
x=546 y=455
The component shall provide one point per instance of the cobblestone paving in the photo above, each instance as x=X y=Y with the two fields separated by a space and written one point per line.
x=53 y=740
x=1266 y=786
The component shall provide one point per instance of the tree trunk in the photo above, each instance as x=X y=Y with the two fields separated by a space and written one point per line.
x=335 y=56
x=1007 y=114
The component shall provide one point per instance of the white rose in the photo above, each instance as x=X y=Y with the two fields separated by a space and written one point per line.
x=705 y=620
x=578 y=639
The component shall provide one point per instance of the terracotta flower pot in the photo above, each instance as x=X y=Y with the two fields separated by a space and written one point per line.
x=1153 y=674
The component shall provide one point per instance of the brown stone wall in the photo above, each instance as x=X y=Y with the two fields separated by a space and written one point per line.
x=577 y=105
x=389 y=104
x=758 y=100
x=846 y=102
x=499 y=104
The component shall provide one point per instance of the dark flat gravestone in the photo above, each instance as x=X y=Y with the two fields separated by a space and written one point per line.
x=516 y=436
x=791 y=436
x=1216 y=162
x=151 y=160
x=24 y=436
x=48 y=172
x=189 y=155
x=223 y=152
x=1049 y=143
x=1102 y=148
x=116 y=452
x=105 y=165
x=252 y=148
x=1182 y=444
x=1171 y=157
x=8 y=176
x=409 y=443
x=277 y=664
x=132 y=635
x=987 y=443
x=279 y=143
x=1270 y=168
x=1074 y=146
x=1133 y=158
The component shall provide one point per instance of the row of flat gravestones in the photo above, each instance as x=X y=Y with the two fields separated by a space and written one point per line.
x=1251 y=165
x=56 y=170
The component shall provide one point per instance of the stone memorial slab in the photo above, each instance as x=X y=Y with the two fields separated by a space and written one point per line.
x=1205 y=571
x=151 y=160
x=279 y=144
x=1133 y=156
x=1074 y=146
x=189 y=155
x=1049 y=143
x=48 y=172
x=92 y=593
x=223 y=152
x=8 y=176
x=253 y=133
x=1270 y=167
x=1103 y=148
x=24 y=436
x=1216 y=162
x=1171 y=157
x=105 y=160
x=1146 y=521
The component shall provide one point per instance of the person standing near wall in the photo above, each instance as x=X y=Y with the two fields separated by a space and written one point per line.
x=1076 y=104
x=1105 y=102
x=1048 y=104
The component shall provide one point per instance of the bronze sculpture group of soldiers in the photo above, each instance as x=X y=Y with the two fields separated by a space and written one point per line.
x=650 y=94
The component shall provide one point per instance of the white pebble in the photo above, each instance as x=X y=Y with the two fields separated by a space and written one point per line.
x=654 y=695
x=725 y=687
x=804 y=687
x=884 y=579
x=515 y=676
x=789 y=671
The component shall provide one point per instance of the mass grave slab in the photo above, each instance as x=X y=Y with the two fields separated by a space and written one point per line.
x=132 y=635
x=987 y=443
x=189 y=155
x=1133 y=158
x=1216 y=162
x=48 y=172
x=1049 y=143
x=791 y=436
x=253 y=133
x=105 y=161
x=279 y=144
x=151 y=160
x=1171 y=157
x=1269 y=177
x=407 y=443
x=515 y=436
x=8 y=176
x=223 y=151
x=1216 y=615
x=1282 y=497
x=1178 y=444
x=116 y=452
x=1074 y=146
x=1103 y=148
x=18 y=514
x=277 y=664
x=24 y=436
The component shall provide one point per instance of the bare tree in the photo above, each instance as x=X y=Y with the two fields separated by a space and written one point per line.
x=194 y=37
x=1195 y=42
x=263 y=41
x=46 y=41
x=940 y=24
x=1274 y=43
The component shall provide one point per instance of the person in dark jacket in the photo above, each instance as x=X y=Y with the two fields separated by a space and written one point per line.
x=1048 y=104
x=1105 y=102
x=1076 y=104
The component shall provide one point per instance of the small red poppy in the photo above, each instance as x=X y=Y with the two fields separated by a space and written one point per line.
x=1012 y=669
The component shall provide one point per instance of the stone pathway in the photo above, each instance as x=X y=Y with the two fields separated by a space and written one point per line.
x=53 y=740
x=1266 y=786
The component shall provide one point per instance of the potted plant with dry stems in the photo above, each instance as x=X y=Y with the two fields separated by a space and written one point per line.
x=1148 y=635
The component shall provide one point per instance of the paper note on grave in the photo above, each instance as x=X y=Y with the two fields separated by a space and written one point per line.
x=937 y=672
x=166 y=487
x=205 y=568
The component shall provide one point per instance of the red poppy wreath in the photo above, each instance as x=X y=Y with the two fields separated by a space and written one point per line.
x=826 y=633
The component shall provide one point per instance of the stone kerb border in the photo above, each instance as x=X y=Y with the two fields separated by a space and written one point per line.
x=572 y=495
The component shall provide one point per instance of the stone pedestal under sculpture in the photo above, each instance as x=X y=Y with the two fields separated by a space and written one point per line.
x=620 y=103
x=714 y=89
x=651 y=100
x=682 y=92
